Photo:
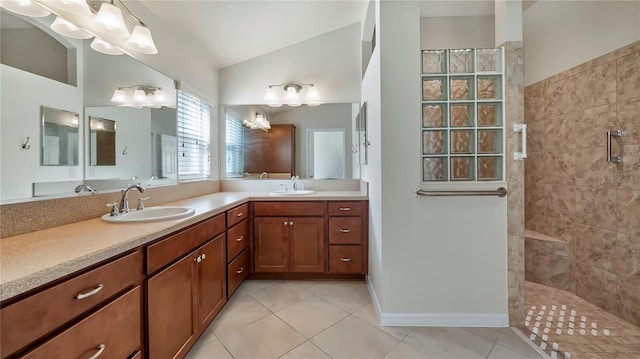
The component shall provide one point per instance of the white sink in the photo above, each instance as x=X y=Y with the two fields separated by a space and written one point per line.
x=282 y=192
x=151 y=214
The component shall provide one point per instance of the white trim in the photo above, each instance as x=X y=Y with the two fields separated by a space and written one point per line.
x=495 y=320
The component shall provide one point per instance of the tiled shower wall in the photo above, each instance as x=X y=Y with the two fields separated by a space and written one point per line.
x=573 y=193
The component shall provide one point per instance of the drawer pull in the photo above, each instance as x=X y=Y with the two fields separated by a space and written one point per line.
x=240 y=239
x=345 y=208
x=204 y=256
x=345 y=259
x=99 y=352
x=239 y=214
x=345 y=230
x=240 y=271
x=91 y=292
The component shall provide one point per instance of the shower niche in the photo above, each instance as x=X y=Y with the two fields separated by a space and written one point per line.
x=462 y=115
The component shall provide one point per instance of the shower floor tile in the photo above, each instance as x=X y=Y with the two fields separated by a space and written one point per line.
x=566 y=326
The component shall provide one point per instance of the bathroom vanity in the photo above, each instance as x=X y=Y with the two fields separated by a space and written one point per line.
x=151 y=289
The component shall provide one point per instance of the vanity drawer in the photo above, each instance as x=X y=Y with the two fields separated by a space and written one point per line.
x=237 y=239
x=237 y=271
x=345 y=259
x=345 y=208
x=171 y=248
x=31 y=318
x=345 y=230
x=237 y=214
x=288 y=209
x=114 y=331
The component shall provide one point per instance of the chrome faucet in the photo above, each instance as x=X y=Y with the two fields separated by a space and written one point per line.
x=294 y=182
x=264 y=175
x=84 y=187
x=124 y=201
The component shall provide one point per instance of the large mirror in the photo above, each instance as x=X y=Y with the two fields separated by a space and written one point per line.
x=317 y=142
x=60 y=139
x=41 y=68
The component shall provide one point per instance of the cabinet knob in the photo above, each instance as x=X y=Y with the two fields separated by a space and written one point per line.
x=94 y=291
x=345 y=208
x=291 y=223
x=286 y=223
x=240 y=270
x=99 y=352
x=204 y=256
x=345 y=259
x=239 y=239
x=198 y=259
x=344 y=230
x=239 y=214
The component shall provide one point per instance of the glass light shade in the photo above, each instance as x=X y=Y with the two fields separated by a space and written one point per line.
x=271 y=98
x=160 y=97
x=313 y=97
x=119 y=96
x=76 y=6
x=139 y=95
x=24 y=7
x=141 y=41
x=109 y=18
x=64 y=27
x=105 y=47
x=291 y=97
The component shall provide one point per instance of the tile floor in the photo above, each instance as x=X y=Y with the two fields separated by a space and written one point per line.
x=329 y=319
x=567 y=326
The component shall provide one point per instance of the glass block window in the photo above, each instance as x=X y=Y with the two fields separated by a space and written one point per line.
x=462 y=115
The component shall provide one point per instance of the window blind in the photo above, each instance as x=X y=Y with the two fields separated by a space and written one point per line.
x=194 y=155
x=234 y=146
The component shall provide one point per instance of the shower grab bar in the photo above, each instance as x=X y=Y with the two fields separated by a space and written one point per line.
x=500 y=192
x=611 y=158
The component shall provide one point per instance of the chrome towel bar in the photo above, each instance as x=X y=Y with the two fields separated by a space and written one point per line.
x=500 y=192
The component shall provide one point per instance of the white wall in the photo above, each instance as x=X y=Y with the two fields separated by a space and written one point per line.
x=34 y=51
x=456 y=32
x=330 y=61
x=559 y=35
x=442 y=261
x=335 y=115
x=133 y=126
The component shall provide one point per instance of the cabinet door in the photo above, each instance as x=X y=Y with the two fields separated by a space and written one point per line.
x=271 y=244
x=306 y=237
x=281 y=152
x=170 y=310
x=211 y=280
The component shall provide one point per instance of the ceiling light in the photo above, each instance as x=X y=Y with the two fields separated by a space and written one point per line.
x=76 y=6
x=64 y=27
x=105 y=47
x=119 y=96
x=139 y=96
x=293 y=92
x=24 y=7
x=109 y=17
x=141 y=41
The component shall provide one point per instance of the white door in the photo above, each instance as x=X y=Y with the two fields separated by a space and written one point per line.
x=169 y=147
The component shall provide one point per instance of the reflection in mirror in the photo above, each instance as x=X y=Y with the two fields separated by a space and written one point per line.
x=240 y=140
x=102 y=142
x=326 y=154
x=60 y=139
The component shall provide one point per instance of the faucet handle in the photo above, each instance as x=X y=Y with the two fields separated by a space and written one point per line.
x=114 y=209
x=140 y=206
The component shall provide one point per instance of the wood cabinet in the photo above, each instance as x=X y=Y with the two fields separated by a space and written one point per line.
x=348 y=244
x=184 y=298
x=272 y=151
x=291 y=243
x=27 y=320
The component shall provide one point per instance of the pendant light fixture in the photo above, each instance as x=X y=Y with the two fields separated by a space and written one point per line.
x=109 y=18
x=259 y=122
x=24 y=7
x=293 y=92
x=105 y=47
x=65 y=28
x=141 y=96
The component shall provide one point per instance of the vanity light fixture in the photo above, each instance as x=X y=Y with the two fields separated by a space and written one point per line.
x=103 y=20
x=139 y=96
x=292 y=95
x=260 y=122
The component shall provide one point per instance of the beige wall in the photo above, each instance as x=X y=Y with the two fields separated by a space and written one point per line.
x=573 y=193
x=457 y=32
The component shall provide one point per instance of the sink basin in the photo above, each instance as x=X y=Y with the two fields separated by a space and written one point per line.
x=151 y=214
x=282 y=192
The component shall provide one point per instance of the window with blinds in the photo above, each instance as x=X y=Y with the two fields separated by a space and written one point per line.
x=234 y=146
x=194 y=155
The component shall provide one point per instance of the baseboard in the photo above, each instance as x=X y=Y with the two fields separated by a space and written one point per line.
x=495 y=320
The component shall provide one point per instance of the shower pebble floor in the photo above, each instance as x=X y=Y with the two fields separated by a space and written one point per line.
x=566 y=326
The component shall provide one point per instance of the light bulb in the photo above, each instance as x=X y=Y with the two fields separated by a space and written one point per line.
x=141 y=41
x=119 y=96
x=313 y=97
x=105 y=47
x=64 y=27
x=109 y=18
x=139 y=95
x=291 y=97
x=271 y=98
x=24 y=7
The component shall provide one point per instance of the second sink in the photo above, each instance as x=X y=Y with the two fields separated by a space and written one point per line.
x=150 y=214
x=282 y=192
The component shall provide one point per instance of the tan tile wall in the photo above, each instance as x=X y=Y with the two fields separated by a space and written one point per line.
x=572 y=192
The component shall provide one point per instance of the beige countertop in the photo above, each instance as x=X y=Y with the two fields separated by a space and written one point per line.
x=30 y=260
